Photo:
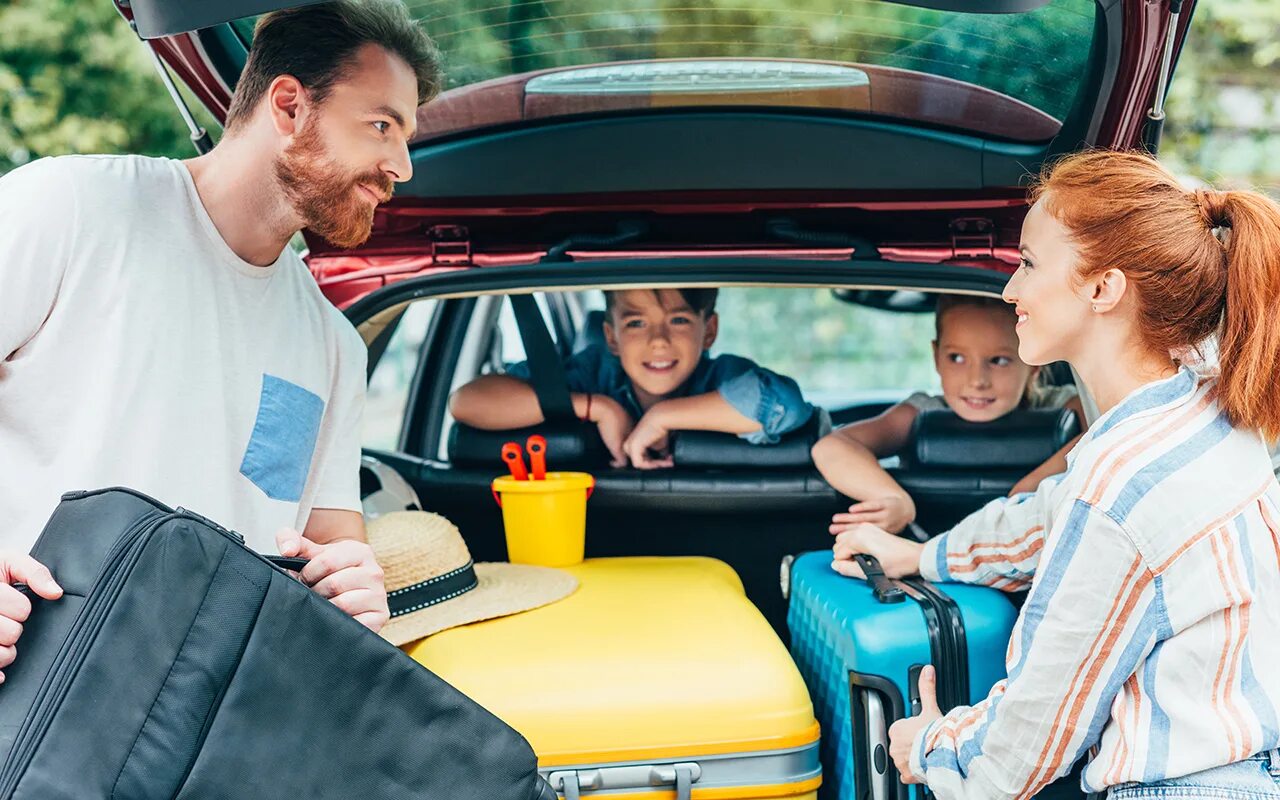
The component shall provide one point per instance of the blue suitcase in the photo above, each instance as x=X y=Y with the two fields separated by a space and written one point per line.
x=860 y=647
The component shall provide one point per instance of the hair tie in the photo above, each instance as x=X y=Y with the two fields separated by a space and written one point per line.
x=1213 y=207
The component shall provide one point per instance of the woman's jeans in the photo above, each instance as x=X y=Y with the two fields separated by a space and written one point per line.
x=1255 y=778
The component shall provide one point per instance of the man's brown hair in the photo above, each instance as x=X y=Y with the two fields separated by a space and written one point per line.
x=317 y=44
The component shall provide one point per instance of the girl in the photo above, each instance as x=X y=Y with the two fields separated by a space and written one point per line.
x=976 y=355
x=1148 y=638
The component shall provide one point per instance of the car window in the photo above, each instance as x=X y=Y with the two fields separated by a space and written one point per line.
x=507 y=347
x=389 y=385
x=841 y=354
x=605 y=56
x=861 y=56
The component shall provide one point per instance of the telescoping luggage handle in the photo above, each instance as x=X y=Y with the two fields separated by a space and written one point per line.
x=883 y=588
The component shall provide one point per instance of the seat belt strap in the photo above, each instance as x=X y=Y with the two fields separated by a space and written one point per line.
x=546 y=370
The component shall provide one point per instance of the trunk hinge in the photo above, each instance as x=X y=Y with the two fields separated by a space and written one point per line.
x=450 y=245
x=200 y=138
x=1155 y=115
x=973 y=237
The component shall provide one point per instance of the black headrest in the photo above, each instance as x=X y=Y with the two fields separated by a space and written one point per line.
x=569 y=446
x=709 y=450
x=1019 y=440
x=578 y=446
x=592 y=331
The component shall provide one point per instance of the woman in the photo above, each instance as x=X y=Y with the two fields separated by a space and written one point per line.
x=1149 y=638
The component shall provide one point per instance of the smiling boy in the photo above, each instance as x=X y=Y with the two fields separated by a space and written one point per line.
x=652 y=377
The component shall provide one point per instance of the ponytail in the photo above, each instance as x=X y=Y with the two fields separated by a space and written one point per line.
x=1249 y=347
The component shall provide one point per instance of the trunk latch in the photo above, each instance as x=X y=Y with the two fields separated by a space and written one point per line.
x=973 y=237
x=450 y=245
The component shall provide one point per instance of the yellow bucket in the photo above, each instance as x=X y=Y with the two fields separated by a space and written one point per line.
x=545 y=521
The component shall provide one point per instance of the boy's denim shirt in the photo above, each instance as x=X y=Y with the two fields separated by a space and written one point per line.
x=771 y=399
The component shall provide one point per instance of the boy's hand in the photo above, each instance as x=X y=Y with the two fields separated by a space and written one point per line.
x=651 y=433
x=614 y=424
x=898 y=557
x=892 y=513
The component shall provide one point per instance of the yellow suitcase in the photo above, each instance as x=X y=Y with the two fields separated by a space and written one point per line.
x=656 y=679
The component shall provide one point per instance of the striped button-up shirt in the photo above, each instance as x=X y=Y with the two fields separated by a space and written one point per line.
x=1152 y=628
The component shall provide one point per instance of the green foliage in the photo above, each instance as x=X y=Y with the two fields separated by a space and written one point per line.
x=1222 y=109
x=74 y=79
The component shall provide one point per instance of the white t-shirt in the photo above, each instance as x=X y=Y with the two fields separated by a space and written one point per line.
x=137 y=349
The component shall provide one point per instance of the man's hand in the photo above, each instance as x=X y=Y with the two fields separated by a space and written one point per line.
x=344 y=572
x=14 y=605
x=891 y=513
x=902 y=734
x=898 y=557
x=651 y=433
x=614 y=424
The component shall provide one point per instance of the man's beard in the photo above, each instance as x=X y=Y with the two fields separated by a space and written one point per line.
x=324 y=194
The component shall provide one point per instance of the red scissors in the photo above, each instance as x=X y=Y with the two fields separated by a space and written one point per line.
x=514 y=458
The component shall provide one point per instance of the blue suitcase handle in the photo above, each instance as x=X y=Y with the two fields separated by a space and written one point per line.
x=884 y=590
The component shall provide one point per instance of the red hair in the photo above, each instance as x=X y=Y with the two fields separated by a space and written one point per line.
x=1202 y=262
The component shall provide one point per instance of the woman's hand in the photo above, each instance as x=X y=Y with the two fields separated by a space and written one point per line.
x=902 y=734
x=898 y=557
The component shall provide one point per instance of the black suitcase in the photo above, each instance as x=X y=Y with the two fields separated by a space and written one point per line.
x=180 y=664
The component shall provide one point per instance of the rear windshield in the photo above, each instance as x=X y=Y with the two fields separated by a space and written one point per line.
x=866 y=56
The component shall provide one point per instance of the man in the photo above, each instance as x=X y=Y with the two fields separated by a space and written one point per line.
x=157 y=332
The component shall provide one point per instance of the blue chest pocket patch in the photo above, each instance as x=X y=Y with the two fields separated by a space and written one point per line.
x=284 y=439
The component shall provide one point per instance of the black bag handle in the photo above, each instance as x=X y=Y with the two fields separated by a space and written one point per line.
x=288 y=563
x=546 y=370
x=883 y=588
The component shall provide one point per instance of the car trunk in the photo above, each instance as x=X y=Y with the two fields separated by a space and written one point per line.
x=791 y=169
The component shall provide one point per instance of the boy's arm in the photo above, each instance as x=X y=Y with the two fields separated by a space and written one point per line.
x=703 y=412
x=849 y=460
x=501 y=402
x=504 y=402
x=774 y=402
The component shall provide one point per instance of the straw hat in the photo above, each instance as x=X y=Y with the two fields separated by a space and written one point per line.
x=432 y=583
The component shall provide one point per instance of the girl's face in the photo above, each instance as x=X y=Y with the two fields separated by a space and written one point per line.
x=1053 y=309
x=976 y=356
